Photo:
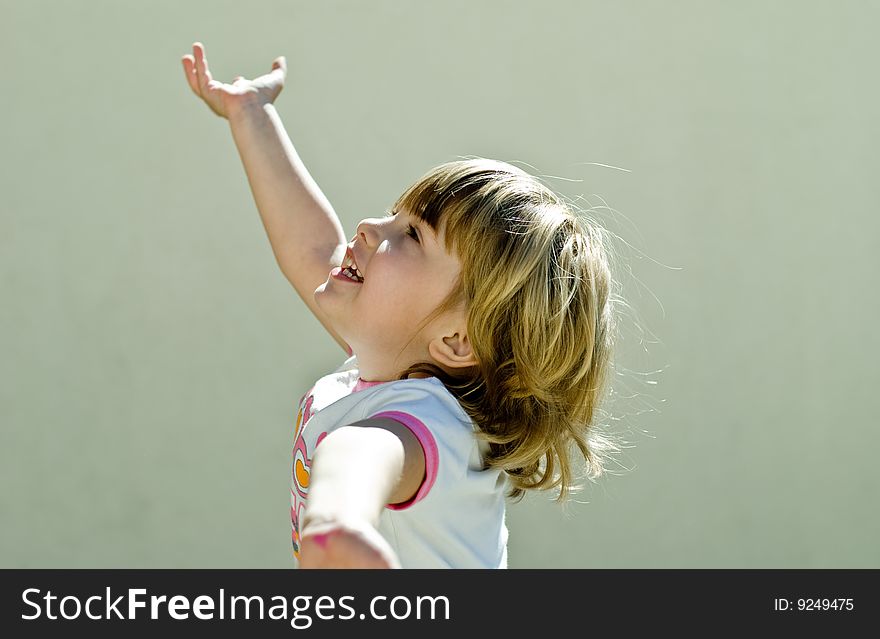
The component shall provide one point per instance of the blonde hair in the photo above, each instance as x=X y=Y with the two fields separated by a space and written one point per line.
x=536 y=282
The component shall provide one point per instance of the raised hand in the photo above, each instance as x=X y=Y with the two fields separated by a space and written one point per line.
x=223 y=98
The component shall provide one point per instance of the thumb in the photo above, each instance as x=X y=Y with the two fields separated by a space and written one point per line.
x=280 y=63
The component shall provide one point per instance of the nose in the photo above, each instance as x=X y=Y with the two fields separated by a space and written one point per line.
x=369 y=233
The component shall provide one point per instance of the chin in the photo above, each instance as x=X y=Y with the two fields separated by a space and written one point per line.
x=323 y=299
x=324 y=292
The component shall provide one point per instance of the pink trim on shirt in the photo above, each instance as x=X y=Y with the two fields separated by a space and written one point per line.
x=362 y=384
x=429 y=447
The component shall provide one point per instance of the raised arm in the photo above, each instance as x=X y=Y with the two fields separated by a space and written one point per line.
x=355 y=472
x=303 y=229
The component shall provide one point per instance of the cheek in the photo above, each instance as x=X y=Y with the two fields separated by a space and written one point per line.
x=400 y=285
x=408 y=285
x=382 y=296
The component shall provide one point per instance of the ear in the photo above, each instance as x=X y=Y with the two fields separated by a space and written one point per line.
x=452 y=351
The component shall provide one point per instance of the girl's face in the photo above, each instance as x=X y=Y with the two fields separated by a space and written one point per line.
x=406 y=274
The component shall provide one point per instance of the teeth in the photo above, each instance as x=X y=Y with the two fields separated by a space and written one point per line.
x=348 y=263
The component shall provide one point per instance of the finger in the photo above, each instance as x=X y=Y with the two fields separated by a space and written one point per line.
x=280 y=63
x=189 y=70
x=202 y=72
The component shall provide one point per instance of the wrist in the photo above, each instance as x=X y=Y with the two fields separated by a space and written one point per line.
x=353 y=544
x=246 y=106
x=321 y=520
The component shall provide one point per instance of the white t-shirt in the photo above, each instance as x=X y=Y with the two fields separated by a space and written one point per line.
x=456 y=519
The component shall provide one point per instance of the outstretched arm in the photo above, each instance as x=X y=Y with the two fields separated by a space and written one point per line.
x=356 y=471
x=303 y=229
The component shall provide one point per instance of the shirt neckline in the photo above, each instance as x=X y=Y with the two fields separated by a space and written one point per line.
x=362 y=384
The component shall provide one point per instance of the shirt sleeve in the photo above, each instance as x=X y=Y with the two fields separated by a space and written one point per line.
x=429 y=448
x=442 y=428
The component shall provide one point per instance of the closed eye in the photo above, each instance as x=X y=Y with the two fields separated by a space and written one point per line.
x=410 y=229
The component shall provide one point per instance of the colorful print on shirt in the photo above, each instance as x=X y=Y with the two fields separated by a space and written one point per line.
x=301 y=470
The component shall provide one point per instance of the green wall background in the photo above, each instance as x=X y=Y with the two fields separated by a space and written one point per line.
x=152 y=352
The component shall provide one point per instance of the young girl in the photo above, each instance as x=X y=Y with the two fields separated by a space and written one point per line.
x=477 y=319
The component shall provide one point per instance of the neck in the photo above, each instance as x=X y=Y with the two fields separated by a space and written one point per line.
x=382 y=369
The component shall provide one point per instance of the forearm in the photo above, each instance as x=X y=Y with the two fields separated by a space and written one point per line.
x=299 y=220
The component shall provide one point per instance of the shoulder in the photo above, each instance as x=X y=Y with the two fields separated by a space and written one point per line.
x=423 y=405
x=426 y=399
x=349 y=364
x=432 y=413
